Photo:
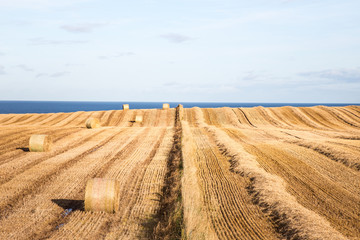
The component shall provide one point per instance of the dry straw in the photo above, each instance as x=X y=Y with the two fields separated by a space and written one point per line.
x=138 y=119
x=102 y=195
x=166 y=106
x=40 y=143
x=92 y=123
x=297 y=222
x=126 y=107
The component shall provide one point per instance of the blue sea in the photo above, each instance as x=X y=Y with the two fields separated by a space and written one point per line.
x=70 y=106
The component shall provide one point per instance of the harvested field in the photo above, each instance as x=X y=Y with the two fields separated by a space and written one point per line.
x=238 y=173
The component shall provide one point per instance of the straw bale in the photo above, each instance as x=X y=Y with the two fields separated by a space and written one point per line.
x=102 y=195
x=138 y=118
x=166 y=106
x=92 y=123
x=126 y=107
x=40 y=143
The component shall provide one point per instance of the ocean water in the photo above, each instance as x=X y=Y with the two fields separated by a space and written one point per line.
x=68 y=106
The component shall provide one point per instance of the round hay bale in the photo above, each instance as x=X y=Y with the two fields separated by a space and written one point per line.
x=166 y=106
x=40 y=143
x=92 y=123
x=138 y=118
x=126 y=107
x=102 y=195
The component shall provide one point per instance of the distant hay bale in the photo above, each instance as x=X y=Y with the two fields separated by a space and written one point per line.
x=138 y=118
x=40 y=143
x=166 y=106
x=92 y=123
x=102 y=195
x=126 y=107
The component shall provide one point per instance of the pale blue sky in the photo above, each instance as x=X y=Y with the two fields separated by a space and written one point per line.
x=180 y=50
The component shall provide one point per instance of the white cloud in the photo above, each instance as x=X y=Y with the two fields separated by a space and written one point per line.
x=82 y=28
x=341 y=75
x=24 y=67
x=59 y=74
x=42 y=41
x=53 y=75
x=176 y=38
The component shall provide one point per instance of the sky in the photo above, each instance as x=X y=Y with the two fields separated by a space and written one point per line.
x=305 y=51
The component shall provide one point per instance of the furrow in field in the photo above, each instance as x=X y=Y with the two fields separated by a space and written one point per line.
x=229 y=206
x=33 y=118
x=10 y=134
x=107 y=117
x=281 y=116
x=33 y=178
x=17 y=118
x=211 y=120
x=353 y=115
x=80 y=120
x=115 y=117
x=299 y=119
x=216 y=116
x=320 y=117
x=101 y=115
x=169 y=120
x=270 y=117
x=196 y=222
x=337 y=150
x=245 y=117
x=341 y=117
x=68 y=119
x=354 y=109
x=14 y=136
x=163 y=117
x=130 y=170
x=6 y=117
x=312 y=189
x=54 y=117
x=19 y=145
x=189 y=117
x=149 y=117
x=66 y=190
x=63 y=117
x=239 y=116
x=343 y=154
x=20 y=161
x=317 y=183
x=231 y=117
x=126 y=120
x=292 y=219
x=141 y=198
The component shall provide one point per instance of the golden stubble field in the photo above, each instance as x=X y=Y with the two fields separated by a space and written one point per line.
x=245 y=173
